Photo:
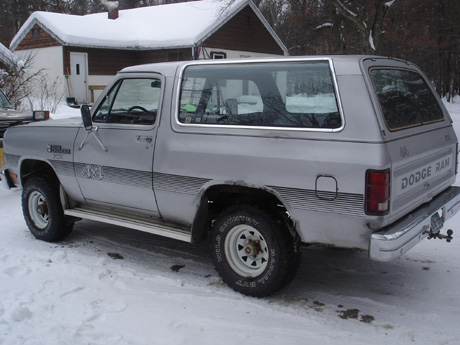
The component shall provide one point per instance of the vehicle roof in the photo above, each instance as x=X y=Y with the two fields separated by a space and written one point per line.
x=343 y=64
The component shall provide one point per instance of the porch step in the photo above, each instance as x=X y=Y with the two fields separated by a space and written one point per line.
x=133 y=221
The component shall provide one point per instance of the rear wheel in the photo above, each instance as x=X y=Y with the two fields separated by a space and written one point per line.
x=43 y=211
x=253 y=252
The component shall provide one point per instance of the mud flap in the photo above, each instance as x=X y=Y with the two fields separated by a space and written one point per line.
x=2 y=158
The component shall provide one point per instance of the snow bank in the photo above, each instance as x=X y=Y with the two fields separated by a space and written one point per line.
x=110 y=285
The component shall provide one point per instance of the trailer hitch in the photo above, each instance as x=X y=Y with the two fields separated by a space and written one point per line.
x=447 y=237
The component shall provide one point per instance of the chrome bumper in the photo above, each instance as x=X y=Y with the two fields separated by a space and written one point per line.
x=5 y=179
x=399 y=237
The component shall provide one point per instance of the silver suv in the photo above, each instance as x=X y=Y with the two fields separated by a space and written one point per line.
x=255 y=156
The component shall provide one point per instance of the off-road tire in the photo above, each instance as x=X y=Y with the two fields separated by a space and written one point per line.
x=43 y=211
x=242 y=229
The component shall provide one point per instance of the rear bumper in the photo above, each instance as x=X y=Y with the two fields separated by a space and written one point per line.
x=397 y=238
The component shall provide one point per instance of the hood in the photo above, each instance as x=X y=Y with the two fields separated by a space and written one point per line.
x=67 y=122
x=7 y=114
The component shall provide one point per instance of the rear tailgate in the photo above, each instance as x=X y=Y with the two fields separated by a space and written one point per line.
x=422 y=166
x=418 y=131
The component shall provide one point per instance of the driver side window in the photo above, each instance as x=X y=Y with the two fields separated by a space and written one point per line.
x=131 y=101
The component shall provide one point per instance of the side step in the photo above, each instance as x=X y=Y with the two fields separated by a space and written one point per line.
x=140 y=222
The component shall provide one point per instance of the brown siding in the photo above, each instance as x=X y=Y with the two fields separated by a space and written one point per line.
x=244 y=32
x=164 y=55
x=110 y=61
x=37 y=38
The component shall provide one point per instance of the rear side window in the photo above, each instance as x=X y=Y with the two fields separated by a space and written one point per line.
x=405 y=99
x=294 y=95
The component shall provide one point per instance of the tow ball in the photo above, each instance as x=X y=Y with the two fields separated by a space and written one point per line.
x=447 y=237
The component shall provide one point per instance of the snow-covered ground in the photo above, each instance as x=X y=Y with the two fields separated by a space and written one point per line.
x=110 y=285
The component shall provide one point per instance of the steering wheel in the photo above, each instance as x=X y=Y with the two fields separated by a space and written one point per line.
x=136 y=107
x=222 y=119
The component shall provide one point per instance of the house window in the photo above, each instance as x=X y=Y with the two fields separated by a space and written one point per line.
x=218 y=55
x=36 y=32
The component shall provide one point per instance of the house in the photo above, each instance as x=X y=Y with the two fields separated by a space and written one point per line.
x=83 y=53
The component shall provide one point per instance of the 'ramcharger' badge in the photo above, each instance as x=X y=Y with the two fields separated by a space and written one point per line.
x=57 y=149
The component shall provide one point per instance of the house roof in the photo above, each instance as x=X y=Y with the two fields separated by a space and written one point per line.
x=156 y=27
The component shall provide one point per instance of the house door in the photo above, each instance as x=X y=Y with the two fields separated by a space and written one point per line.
x=78 y=73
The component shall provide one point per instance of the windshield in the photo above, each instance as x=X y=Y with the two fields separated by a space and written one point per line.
x=4 y=103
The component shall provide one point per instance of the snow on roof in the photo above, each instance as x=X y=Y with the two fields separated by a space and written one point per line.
x=7 y=57
x=155 y=27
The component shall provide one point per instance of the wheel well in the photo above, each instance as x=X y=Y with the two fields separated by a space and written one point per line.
x=217 y=198
x=32 y=167
x=223 y=196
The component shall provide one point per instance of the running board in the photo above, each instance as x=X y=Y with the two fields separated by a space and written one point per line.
x=141 y=222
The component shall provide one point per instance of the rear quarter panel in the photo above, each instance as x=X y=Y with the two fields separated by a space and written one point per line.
x=286 y=163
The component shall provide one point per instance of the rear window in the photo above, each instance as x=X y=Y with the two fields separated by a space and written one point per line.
x=405 y=99
x=294 y=95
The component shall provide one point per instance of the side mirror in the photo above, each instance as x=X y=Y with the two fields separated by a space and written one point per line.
x=86 y=117
x=88 y=124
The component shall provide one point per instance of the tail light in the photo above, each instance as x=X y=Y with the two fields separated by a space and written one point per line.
x=377 y=201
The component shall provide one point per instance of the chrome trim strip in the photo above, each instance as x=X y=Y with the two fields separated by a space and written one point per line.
x=303 y=199
x=175 y=106
x=178 y=183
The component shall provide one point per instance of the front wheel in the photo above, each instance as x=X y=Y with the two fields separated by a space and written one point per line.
x=43 y=211
x=253 y=252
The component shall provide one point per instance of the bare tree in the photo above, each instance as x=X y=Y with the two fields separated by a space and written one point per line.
x=16 y=80
x=46 y=95
x=367 y=16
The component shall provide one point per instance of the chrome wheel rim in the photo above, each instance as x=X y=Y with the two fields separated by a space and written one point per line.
x=38 y=210
x=246 y=251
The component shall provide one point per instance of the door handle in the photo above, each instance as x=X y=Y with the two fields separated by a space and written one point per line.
x=144 y=138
